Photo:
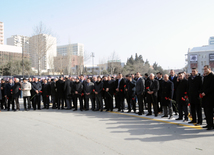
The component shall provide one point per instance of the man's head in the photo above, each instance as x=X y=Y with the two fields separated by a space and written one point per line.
x=36 y=79
x=180 y=76
x=109 y=78
x=30 y=79
x=166 y=77
x=17 y=80
x=194 y=71
x=137 y=75
x=98 y=78
x=77 y=79
x=45 y=81
x=120 y=75
x=146 y=75
x=82 y=77
x=2 y=81
x=152 y=76
x=172 y=72
x=10 y=81
x=207 y=69
x=88 y=80
x=94 y=78
x=24 y=80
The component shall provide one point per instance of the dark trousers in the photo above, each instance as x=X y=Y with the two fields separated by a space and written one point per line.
x=10 y=101
x=117 y=100
x=80 y=100
x=60 y=102
x=87 y=97
x=36 y=101
x=16 y=99
x=46 y=101
x=132 y=104
x=54 y=101
x=99 y=101
x=121 y=101
x=28 y=101
x=160 y=109
x=3 y=103
x=208 y=110
x=182 y=108
x=152 y=100
x=196 y=109
x=109 y=102
x=68 y=102
x=140 y=103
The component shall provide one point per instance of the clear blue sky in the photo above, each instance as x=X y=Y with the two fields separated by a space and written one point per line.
x=159 y=30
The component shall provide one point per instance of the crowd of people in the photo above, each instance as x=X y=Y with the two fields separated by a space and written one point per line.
x=166 y=94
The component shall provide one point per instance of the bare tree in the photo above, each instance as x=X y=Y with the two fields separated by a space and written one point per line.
x=113 y=63
x=41 y=43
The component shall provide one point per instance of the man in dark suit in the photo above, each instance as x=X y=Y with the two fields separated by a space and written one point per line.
x=67 y=90
x=36 y=90
x=166 y=95
x=54 y=93
x=98 y=87
x=152 y=88
x=130 y=89
x=208 y=96
x=160 y=80
x=3 y=100
x=77 y=90
x=173 y=78
x=120 y=83
x=16 y=93
x=181 y=93
x=88 y=93
x=109 y=94
x=139 y=92
x=194 y=89
x=60 y=93
x=9 y=94
x=46 y=91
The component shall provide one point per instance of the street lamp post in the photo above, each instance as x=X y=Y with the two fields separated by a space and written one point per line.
x=92 y=55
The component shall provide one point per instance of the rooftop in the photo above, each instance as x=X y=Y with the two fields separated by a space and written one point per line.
x=202 y=49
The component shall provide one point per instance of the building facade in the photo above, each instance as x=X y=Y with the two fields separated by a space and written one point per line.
x=71 y=49
x=20 y=41
x=1 y=33
x=197 y=57
x=42 y=49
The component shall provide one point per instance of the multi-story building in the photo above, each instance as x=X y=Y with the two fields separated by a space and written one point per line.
x=211 y=41
x=42 y=49
x=10 y=53
x=71 y=49
x=1 y=33
x=20 y=41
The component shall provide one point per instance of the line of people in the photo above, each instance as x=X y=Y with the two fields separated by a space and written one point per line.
x=164 y=94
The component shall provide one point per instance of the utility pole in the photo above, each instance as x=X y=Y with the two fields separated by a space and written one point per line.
x=92 y=55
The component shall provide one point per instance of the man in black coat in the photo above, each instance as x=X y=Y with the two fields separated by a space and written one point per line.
x=166 y=95
x=67 y=90
x=130 y=89
x=173 y=78
x=152 y=88
x=160 y=80
x=98 y=87
x=89 y=94
x=78 y=94
x=54 y=93
x=194 y=89
x=105 y=83
x=181 y=94
x=60 y=93
x=3 y=100
x=9 y=94
x=208 y=96
x=139 y=92
x=46 y=91
x=120 y=83
x=109 y=94
x=36 y=92
x=16 y=93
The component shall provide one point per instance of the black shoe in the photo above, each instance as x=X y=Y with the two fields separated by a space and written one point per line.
x=75 y=110
x=148 y=114
x=164 y=116
x=191 y=122
x=170 y=117
x=209 y=128
x=185 y=120
x=122 y=111
x=44 y=108
x=156 y=115
x=139 y=113
x=68 y=109
x=178 y=119
x=101 y=110
x=118 y=110
x=62 y=108
x=39 y=108
x=205 y=126
x=129 y=111
x=199 y=123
